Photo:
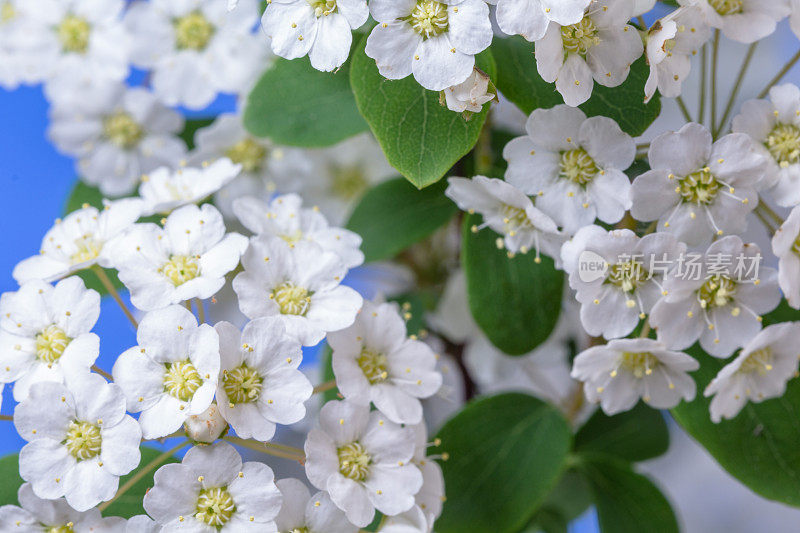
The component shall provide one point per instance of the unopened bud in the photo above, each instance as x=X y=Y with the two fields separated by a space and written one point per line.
x=207 y=426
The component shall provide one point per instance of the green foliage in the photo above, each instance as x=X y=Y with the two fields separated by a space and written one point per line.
x=627 y=502
x=759 y=446
x=190 y=128
x=516 y=302
x=295 y=105
x=635 y=435
x=9 y=473
x=394 y=214
x=506 y=453
x=569 y=499
x=83 y=194
x=327 y=373
x=420 y=137
x=519 y=81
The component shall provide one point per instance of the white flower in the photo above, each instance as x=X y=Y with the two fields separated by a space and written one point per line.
x=117 y=134
x=794 y=17
x=411 y=521
x=35 y=515
x=374 y=361
x=212 y=490
x=759 y=372
x=671 y=43
x=187 y=258
x=310 y=514
x=363 y=461
x=260 y=385
x=320 y=29
x=509 y=212
x=721 y=303
x=697 y=189
x=80 y=441
x=640 y=7
x=19 y=57
x=627 y=280
x=78 y=41
x=470 y=95
x=435 y=41
x=531 y=18
x=172 y=373
x=79 y=241
x=232 y=4
x=300 y=285
x=775 y=124
x=430 y=497
x=745 y=21
x=601 y=46
x=166 y=189
x=284 y=217
x=207 y=426
x=573 y=165
x=45 y=333
x=265 y=167
x=196 y=49
x=624 y=370
x=786 y=247
x=141 y=524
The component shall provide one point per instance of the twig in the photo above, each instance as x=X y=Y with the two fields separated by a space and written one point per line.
x=101 y=275
x=265 y=447
x=735 y=91
x=714 y=62
x=201 y=311
x=102 y=372
x=701 y=115
x=7 y=417
x=684 y=109
x=322 y=387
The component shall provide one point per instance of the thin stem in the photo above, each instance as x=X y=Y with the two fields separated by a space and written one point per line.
x=645 y=329
x=684 y=109
x=322 y=387
x=764 y=208
x=201 y=311
x=642 y=23
x=102 y=372
x=643 y=146
x=701 y=115
x=266 y=447
x=714 y=62
x=141 y=473
x=735 y=91
x=781 y=73
x=101 y=275
x=7 y=417
x=765 y=221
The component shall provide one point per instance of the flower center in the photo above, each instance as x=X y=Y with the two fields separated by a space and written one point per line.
x=323 y=7
x=514 y=219
x=87 y=249
x=51 y=343
x=193 y=31
x=717 y=291
x=373 y=364
x=180 y=269
x=293 y=237
x=181 y=380
x=639 y=364
x=699 y=187
x=628 y=275
x=291 y=299
x=74 y=33
x=578 y=38
x=247 y=153
x=429 y=18
x=796 y=245
x=578 y=166
x=727 y=7
x=122 y=130
x=215 y=506
x=7 y=12
x=348 y=183
x=83 y=440
x=783 y=143
x=759 y=361
x=66 y=528
x=298 y=530
x=242 y=384
x=354 y=461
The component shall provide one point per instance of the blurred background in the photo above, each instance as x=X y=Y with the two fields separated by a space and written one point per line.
x=35 y=181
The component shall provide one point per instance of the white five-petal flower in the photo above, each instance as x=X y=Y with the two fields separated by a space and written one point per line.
x=301 y=511
x=745 y=21
x=531 y=18
x=786 y=247
x=172 y=373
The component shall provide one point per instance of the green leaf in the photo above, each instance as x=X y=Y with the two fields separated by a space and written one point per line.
x=759 y=446
x=327 y=374
x=627 y=502
x=296 y=105
x=506 y=453
x=569 y=499
x=128 y=505
x=9 y=473
x=420 y=137
x=83 y=194
x=190 y=128
x=394 y=215
x=635 y=435
x=516 y=302
x=519 y=81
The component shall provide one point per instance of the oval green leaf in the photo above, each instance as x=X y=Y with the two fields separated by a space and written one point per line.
x=635 y=435
x=506 y=453
x=516 y=302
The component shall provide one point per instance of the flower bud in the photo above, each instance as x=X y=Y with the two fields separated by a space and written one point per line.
x=470 y=95
x=206 y=427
